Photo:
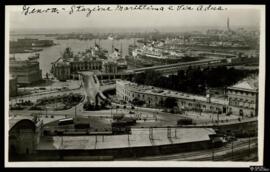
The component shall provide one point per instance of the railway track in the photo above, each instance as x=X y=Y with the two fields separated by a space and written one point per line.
x=207 y=154
x=237 y=155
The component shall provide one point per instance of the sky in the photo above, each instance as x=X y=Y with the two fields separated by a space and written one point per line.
x=240 y=16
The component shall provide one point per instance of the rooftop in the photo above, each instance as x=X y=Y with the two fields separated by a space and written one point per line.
x=169 y=93
x=14 y=120
x=248 y=84
x=138 y=138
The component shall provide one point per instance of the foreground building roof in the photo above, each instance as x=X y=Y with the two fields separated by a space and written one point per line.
x=138 y=138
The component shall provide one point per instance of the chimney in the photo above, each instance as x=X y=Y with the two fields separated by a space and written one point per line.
x=228 y=24
x=208 y=96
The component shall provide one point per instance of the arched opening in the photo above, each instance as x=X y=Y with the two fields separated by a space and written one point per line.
x=224 y=109
x=241 y=113
x=251 y=114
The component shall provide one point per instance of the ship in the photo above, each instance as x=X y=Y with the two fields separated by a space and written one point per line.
x=137 y=62
x=150 y=55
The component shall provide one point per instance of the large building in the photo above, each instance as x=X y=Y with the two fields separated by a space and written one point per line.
x=243 y=97
x=69 y=65
x=27 y=72
x=110 y=67
x=155 y=97
x=61 y=69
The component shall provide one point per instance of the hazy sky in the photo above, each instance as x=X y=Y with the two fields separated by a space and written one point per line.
x=187 y=18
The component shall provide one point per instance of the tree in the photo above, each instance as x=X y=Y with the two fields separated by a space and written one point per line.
x=152 y=77
x=139 y=78
x=137 y=102
x=170 y=102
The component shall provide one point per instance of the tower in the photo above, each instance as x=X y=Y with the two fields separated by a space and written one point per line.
x=228 y=24
x=121 y=49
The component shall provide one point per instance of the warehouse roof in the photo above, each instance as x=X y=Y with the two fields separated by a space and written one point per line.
x=138 y=138
x=169 y=93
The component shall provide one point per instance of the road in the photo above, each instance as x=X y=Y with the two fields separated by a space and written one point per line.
x=146 y=117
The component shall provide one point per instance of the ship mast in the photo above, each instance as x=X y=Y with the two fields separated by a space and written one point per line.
x=121 y=49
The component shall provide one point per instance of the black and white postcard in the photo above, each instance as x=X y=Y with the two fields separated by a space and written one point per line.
x=134 y=85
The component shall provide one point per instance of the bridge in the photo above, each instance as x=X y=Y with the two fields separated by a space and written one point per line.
x=172 y=68
x=164 y=69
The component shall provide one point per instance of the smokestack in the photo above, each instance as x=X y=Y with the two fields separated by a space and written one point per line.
x=228 y=24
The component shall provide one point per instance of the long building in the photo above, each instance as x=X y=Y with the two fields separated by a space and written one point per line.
x=155 y=97
x=69 y=65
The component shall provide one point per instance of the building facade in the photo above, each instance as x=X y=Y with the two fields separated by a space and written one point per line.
x=110 y=67
x=27 y=72
x=85 y=65
x=61 y=70
x=243 y=98
x=155 y=97
x=64 y=69
x=69 y=64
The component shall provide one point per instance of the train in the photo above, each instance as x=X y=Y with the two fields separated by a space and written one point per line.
x=66 y=121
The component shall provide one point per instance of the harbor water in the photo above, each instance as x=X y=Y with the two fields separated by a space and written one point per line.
x=50 y=54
